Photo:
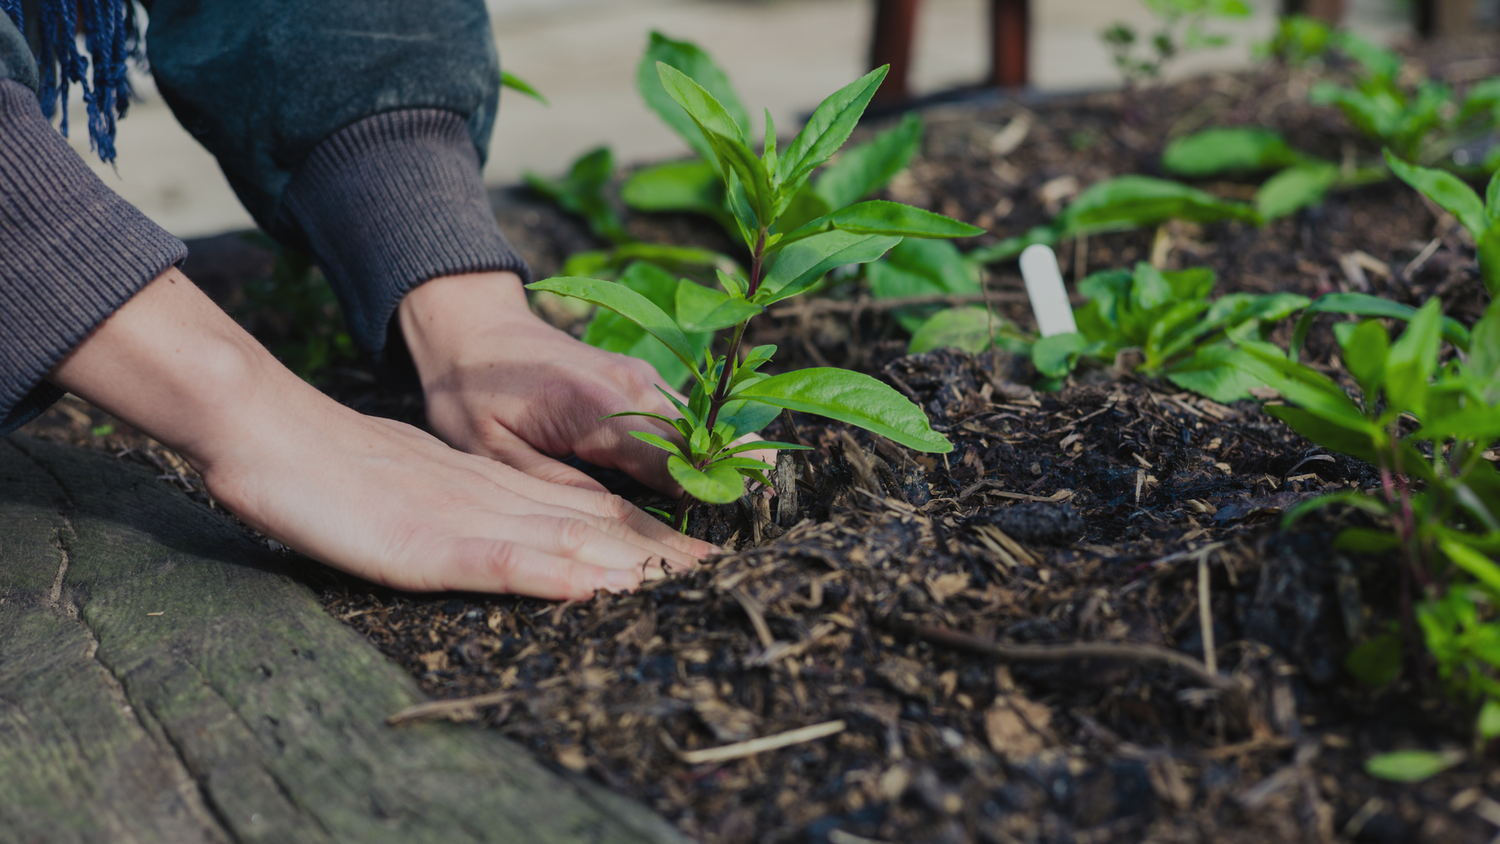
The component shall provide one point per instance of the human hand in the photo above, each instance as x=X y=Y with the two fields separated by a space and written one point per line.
x=375 y=498
x=502 y=383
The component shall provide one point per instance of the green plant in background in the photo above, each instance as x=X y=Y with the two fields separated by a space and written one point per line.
x=300 y=307
x=1122 y=204
x=1480 y=216
x=1299 y=40
x=730 y=398
x=1426 y=424
x=1299 y=179
x=1167 y=317
x=1179 y=30
x=1423 y=122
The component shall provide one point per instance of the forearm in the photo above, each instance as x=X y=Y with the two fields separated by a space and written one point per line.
x=171 y=363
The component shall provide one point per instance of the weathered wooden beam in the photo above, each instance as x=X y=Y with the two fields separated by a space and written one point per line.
x=1010 y=37
x=895 y=30
x=164 y=679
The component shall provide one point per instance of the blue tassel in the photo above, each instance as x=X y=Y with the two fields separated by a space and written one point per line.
x=111 y=36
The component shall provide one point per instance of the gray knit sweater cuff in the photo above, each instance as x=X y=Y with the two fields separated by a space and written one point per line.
x=71 y=253
x=388 y=203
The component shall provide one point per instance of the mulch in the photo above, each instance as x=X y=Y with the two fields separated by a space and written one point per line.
x=1085 y=624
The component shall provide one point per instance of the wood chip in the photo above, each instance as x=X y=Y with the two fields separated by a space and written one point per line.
x=740 y=750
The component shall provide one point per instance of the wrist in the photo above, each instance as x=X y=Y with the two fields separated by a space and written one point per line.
x=444 y=318
x=172 y=364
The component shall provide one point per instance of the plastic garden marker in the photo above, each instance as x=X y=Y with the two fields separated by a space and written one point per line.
x=1044 y=285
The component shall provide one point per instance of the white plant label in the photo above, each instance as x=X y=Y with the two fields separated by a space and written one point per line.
x=1044 y=285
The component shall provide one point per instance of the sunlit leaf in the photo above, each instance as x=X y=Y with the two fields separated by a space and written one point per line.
x=854 y=398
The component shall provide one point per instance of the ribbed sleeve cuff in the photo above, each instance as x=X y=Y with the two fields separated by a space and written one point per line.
x=71 y=253
x=388 y=203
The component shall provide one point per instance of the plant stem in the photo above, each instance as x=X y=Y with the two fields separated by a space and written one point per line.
x=679 y=519
x=721 y=391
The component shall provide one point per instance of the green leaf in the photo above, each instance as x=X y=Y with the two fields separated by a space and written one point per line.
x=1221 y=151
x=1295 y=188
x=827 y=129
x=968 y=329
x=659 y=442
x=1127 y=202
x=1363 y=304
x=698 y=66
x=1447 y=190
x=1483 y=371
x=1413 y=360
x=1475 y=563
x=764 y=445
x=799 y=266
x=1367 y=541
x=1488 y=724
x=516 y=83
x=1411 y=765
x=1365 y=355
x=1377 y=661
x=1214 y=371
x=692 y=186
x=1376 y=60
x=581 y=192
x=879 y=216
x=1012 y=247
x=714 y=484
x=1489 y=259
x=614 y=333
x=864 y=169
x=702 y=308
x=725 y=138
x=631 y=305
x=742 y=463
x=853 y=398
x=919 y=267
x=1057 y=355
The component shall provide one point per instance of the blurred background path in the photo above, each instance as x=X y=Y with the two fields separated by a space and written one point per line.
x=784 y=55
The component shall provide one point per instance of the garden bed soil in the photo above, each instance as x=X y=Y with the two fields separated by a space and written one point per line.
x=1006 y=643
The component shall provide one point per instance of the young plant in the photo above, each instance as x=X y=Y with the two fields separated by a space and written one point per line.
x=1299 y=179
x=1422 y=123
x=730 y=398
x=1179 y=30
x=694 y=186
x=1167 y=318
x=1439 y=495
x=1121 y=204
x=1480 y=216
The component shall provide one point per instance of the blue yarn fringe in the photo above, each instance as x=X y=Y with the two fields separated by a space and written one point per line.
x=111 y=37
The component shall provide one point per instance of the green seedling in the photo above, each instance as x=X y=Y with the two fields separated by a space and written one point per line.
x=519 y=85
x=1424 y=122
x=1299 y=40
x=1179 y=30
x=1428 y=426
x=694 y=186
x=1168 y=319
x=1122 y=204
x=730 y=398
x=1298 y=179
x=1480 y=216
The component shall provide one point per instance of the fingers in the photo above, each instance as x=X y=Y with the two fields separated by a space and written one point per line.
x=485 y=565
x=515 y=452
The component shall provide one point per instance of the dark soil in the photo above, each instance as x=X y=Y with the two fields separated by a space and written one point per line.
x=1089 y=522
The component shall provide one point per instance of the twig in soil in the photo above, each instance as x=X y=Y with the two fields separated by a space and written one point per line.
x=1206 y=616
x=740 y=750
x=757 y=615
x=1190 y=554
x=1055 y=498
x=1422 y=257
x=462 y=709
x=960 y=640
